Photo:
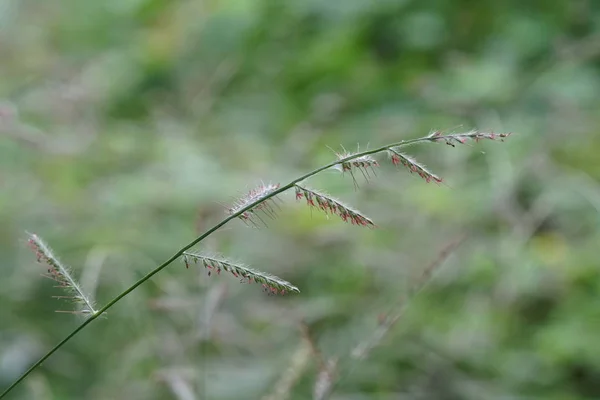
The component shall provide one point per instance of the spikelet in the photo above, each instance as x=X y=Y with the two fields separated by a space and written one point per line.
x=413 y=166
x=270 y=283
x=329 y=205
x=364 y=164
x=266 y=207
x=62 y=275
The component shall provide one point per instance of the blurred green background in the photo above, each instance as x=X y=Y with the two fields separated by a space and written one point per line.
x=128 y=126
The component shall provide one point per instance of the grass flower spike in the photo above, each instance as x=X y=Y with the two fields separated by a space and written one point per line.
x=62 y=275
x=462 y=138
x=256 y=195
x=329 y=205
x=413 y=166
x=271 y=284
x=361 y=163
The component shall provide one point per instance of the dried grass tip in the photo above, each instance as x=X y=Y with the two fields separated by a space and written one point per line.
x=462 y=138
x=329 y=205
x=413 y=166
x=326 y=378
x=267 y=206
x=270 y=283
x=63 y=276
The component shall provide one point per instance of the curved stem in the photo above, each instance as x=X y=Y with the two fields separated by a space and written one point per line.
x=180 y=252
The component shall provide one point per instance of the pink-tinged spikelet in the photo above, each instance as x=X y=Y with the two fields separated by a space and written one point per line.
x=62 y=275
x=266 y=204
x=364 y=163
x=270 y=283
x=329 y=205
x=413 y=166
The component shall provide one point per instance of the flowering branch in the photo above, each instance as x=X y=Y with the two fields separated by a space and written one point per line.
x=241 y=209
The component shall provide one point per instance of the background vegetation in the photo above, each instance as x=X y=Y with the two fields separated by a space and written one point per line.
x=125 y=126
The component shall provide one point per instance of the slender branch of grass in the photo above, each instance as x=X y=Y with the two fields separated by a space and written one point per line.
x=436 y=137
x=290 y=376
x=363 y=349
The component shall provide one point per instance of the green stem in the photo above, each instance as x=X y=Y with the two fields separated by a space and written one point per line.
x=199 y=239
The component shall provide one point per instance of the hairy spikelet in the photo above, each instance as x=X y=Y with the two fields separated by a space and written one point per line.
x=365 y=164
x=462 y=138
x=271 y=283
x=329 y=205
x=413 y=166
x=362 y=162
x=266 y=207
x=62 y=275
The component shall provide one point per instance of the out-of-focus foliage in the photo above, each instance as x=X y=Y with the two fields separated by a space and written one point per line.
x=125 y=125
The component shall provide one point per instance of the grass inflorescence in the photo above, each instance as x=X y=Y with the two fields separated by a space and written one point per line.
x=332 y=206
x=63 y=276
x=261 y=200
x=270 y=283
